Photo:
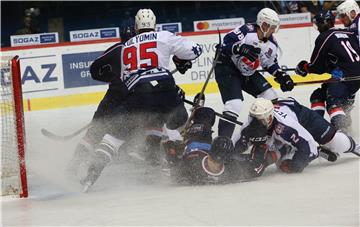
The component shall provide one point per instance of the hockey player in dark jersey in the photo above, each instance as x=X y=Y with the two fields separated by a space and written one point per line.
x=296 y=135
x=203 y=160
x=152 y=99
x=245 y=49
x=349 y=14
x=336 y=52
x=105 y=68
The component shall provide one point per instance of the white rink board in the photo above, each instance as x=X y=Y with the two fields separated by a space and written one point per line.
x=44 y=75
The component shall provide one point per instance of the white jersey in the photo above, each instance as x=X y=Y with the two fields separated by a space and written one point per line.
x=246 y=34
x=287 y=133
x=149 y=53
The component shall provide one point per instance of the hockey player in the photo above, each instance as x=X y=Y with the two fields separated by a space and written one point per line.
x=203 y=160
x=335 y=52
x=293 y=134
x=153 y=98
x=349 y=14
x=105 y=68
x=244 y=49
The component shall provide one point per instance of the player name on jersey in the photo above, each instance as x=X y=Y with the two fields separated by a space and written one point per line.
x=142 y=38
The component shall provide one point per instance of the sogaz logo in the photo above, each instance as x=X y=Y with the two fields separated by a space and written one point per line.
x=26 y=40
x=86 y=35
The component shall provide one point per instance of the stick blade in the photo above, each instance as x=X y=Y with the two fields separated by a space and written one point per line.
x=52 y=136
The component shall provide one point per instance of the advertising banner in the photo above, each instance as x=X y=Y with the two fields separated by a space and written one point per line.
x=76 y=69
x=34 y=39
x=208 y=25
x=171 y=27
x=295 y=18
x=94 y=34
x=40 y=73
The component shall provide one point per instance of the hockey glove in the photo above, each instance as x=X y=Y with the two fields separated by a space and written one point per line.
x=253 y=134
x=182 y=65
x=285 y=81
x=302 y=68
x=200 y=102
x=248 y=51
x=221 y=149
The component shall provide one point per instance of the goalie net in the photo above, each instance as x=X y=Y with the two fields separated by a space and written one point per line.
x=13 y=172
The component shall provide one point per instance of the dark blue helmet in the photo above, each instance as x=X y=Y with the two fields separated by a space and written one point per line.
x=127 y=30
x=324 y=20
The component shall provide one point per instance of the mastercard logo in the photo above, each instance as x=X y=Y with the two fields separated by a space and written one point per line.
x=202 y=25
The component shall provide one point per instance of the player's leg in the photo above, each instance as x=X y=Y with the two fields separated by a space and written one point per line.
x=317 y=100
x=173 y=144
x=257 y=86
x=105 y=151
x=337 y=95
x=121 y=128
x=229 y=82
x=324 y=132
x=95 y=133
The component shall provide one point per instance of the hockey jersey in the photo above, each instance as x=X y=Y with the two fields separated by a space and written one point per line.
x=246 y=34
x=146 y=56
x=287 y=134
x=336 y=49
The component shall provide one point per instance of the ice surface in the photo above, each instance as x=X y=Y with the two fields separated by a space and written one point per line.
x=128 y=193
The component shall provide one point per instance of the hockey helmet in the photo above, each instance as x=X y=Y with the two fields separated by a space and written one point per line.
x=324 y=20
x=263 y=110
x=127 y=30
x=345 y=9
x=221 y=148
x=269 y=17
x=145 y=19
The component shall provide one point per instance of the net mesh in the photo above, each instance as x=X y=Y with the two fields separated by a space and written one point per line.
x=10 y=172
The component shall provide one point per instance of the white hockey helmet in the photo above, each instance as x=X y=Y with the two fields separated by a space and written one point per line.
x=268 y=16
x=145 y=19
x=263 y=110
x=346 y=7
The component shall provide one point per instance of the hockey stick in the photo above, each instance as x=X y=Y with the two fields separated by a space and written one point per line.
x=283 y=69
x=331 y=80
x=201 y=94
x=56 y=137
x=217 y=114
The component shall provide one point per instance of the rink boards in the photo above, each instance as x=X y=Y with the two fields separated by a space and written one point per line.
x=57 y=75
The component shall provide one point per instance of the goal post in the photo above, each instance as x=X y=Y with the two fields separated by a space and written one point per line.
x=13 y=169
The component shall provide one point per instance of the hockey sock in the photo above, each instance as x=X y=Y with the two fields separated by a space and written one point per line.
x=341 y=143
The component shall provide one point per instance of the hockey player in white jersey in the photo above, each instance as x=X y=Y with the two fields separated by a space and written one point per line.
x=245 y=49
x=349 y=14
x=153 y=100
x=295 y=134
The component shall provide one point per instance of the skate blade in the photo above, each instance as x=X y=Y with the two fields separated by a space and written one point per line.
x=86 y=187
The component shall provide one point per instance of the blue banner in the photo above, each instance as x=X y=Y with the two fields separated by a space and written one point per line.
x=33 y=39
x=171 y=27
x=94 y=34
x=76 y=69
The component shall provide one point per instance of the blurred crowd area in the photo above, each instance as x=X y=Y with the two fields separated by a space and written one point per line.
x=27 y=17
